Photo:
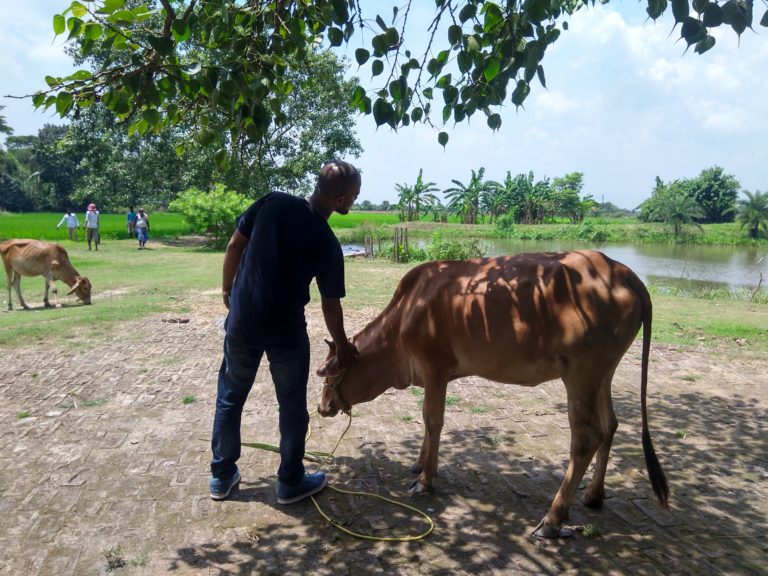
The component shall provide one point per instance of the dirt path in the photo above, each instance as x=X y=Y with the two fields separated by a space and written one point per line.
x=111 y=458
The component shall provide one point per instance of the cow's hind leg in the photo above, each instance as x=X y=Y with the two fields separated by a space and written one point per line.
x=433 y=413
x=608 y=425
x=586 y=437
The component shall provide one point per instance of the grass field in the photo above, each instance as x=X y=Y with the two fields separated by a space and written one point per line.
x=42 y=226
x=129 y=284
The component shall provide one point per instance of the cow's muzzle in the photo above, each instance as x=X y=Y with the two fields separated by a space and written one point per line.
x=333 y=400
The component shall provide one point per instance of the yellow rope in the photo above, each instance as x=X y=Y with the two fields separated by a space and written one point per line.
x=326 y=456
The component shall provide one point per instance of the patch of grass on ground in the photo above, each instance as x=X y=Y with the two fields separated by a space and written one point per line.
x=188 y=399
x=22 y=415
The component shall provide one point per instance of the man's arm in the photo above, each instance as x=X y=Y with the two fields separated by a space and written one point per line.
x=334 y=320
x=235 y=249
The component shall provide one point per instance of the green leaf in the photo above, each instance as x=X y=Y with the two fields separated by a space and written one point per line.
x=443 y=81
x=395 y=90
x=680 y=9
x=152 y=116
x=493 y=16
x=392 y=36
x=93 y=31
x=161 y=44
x=455 y=34
x=51 y=81
x=81 y=75
x=467 y=13
x=180 y=30
x=111 y=6
x=464 y=60
x=690 y=29
x=64 y=103
x=494 y=121
x=357 y=99
x=491 y=69
x=78 y=10
x=705 y=44
x=442 y=139
x=221 y=159
x=417 y=114
x=520 y=93
x=540 y=74
x=383 y=113
x=377 y=67
x=381 y=23
x=713 y=16
x=699 y=5
x=764 y=19
x=59 y=24
x=362 y=55
x=205 y=137
x=335 y=36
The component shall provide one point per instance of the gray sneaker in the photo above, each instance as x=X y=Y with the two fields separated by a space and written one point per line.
x=220 y=488
x=309 y=485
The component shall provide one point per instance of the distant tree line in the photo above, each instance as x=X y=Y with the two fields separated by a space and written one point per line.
x=99 y=158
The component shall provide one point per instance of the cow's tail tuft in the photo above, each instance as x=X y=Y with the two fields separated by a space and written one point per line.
x=655 y=472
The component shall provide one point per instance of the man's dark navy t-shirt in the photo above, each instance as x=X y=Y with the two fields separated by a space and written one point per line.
x=289 y=244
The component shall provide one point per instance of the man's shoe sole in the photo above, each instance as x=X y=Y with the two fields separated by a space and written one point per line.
x=302 y=496
x=225 y=495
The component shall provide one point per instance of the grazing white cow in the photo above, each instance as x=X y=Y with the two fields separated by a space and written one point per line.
x=36 y=258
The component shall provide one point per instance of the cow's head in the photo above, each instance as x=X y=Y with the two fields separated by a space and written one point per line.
x=82 y=288
x=362 y=382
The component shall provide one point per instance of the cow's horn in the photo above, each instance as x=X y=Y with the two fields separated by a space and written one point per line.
x=76 y=285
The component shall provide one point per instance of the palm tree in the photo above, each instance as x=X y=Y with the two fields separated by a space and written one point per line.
x=465 y=200
x=416 y=198
x=753 y=213
x=677 y=208
x=4 y=128
x=498 y=197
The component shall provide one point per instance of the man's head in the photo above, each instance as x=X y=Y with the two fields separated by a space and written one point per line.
x=338 y=185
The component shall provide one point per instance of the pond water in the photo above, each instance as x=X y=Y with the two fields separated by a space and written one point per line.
x=689 y=266
x=715 y=266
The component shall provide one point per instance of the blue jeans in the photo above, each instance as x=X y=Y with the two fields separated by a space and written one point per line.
x=289 y=367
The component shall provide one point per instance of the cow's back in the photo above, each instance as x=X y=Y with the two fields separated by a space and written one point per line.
x=519 y=318
x=32 y=257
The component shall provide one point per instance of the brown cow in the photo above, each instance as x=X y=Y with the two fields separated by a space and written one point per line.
x=522 y=319
x=36 y=258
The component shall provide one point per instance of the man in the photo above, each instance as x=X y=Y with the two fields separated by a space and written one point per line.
x=72 y=224
x=130 y=222
x=92 y=226
x=280 y=244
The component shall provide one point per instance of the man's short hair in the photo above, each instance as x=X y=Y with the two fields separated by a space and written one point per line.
x=337 y=177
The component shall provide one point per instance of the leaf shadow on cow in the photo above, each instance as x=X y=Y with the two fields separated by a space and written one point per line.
x=522 y=319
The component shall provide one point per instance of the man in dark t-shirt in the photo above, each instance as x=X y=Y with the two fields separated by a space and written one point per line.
x=281 y=243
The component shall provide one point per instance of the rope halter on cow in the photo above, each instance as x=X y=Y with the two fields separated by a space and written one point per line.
x=336 y=387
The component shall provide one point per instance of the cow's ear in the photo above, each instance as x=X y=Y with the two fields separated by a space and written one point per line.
x=331 y=345
x=330 y=369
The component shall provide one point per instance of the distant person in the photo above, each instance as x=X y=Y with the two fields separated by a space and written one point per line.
x=142 y=228
x=92 y=226
x=72 y=224
x=130 y=222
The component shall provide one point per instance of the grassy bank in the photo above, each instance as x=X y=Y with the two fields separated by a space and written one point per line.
x=130 y=284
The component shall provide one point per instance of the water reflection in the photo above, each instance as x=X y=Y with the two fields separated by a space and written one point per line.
x=706 y=266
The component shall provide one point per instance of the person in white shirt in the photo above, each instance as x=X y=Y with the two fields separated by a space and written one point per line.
x=92 y=226
x=142 y=228
x=72 y=224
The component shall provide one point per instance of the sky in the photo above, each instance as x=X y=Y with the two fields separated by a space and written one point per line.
x=623 y=105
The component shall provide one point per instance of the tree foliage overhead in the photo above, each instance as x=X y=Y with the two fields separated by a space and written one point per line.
x=174 y=61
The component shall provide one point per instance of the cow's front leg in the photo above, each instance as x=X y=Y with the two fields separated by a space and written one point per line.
x=433 y=413
x=17 y=286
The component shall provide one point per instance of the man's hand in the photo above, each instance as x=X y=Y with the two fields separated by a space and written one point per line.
x=346 y=354
x=225 y=296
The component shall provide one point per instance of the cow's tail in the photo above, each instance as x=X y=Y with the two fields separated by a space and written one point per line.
x=655 y=473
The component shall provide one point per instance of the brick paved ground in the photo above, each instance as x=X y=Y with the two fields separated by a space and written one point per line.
x=111 y=457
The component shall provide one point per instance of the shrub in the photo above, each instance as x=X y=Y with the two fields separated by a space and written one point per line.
x=441 y=248
x=214 y=212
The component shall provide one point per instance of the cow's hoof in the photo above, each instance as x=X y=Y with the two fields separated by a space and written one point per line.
x=417 y=468
x=593 y=502
x=551 y=532
x=418 y=488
